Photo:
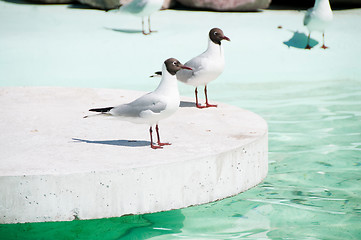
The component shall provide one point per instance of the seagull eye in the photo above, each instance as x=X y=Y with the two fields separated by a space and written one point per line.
x=174 y=63
x=215 y=33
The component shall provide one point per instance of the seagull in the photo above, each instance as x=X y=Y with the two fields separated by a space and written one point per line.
x=154 y=106
x=317 y=19
x=206 y=66
x=142 y=8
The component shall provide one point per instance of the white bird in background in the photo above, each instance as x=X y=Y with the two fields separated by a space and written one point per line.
x=154 y=106
x=142 y=8
x=317 y=19
x=206 y=67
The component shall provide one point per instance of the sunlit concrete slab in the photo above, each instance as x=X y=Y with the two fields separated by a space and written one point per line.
x=58 y=166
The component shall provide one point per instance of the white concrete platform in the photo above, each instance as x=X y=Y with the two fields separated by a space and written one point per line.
x=57 y=166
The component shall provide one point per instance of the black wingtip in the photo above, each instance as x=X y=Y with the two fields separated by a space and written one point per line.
x=157 y=74
x=101 y=110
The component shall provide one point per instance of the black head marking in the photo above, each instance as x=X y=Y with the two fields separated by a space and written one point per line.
x=216 y=35
x=173 y=65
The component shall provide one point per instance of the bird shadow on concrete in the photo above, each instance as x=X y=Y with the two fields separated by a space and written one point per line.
x=130 y=31
x=299 y=40
x=186 y=104
x=124 y=143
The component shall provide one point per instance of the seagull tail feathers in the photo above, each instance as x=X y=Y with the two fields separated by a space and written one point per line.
x=156 y=74
x=100 y=111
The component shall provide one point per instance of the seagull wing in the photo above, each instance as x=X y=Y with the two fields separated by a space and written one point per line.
x=195 y=63
x=149 y=102
x=308 y=16
x=135 y=6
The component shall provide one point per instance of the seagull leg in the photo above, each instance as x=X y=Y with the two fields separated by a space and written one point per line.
x=323 y=37
x=197 y=104
x=159 y=143
x=144 y=33
x=150 y=31
x=308 y=42
x=151 y=139
x=205 y=93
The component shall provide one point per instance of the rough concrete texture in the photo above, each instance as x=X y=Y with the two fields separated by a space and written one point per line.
x=58 y=166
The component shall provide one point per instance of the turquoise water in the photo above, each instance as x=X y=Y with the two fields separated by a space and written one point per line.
x=311 y=101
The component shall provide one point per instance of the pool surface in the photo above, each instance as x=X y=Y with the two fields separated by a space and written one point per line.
x=310 y=99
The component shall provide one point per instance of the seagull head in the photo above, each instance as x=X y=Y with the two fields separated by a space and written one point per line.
x=173 y=66
x=216 y=35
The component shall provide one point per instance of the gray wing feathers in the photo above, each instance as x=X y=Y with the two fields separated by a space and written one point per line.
x=195 y=63
x=135 y=6
x=125 y=110
x=307 y=17
x=146 y=103
x=183 y=75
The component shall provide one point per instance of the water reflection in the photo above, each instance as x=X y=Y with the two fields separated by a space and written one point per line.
x=157 y=224
x=132 y=227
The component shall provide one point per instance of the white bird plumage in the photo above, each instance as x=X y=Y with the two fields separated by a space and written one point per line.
x=206 y=66
x=154 y=106
x=317 y=19
x=141 y=8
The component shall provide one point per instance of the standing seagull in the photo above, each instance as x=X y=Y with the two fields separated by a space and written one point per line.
x=206 y=67
x=142 y=8
x=317 y=19
x=154 y=106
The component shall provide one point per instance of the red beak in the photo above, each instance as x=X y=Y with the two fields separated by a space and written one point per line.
x=185 y=67
x=226 y=38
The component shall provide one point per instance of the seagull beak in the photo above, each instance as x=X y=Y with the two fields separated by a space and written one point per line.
x=226 y=38
x=185 y=67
